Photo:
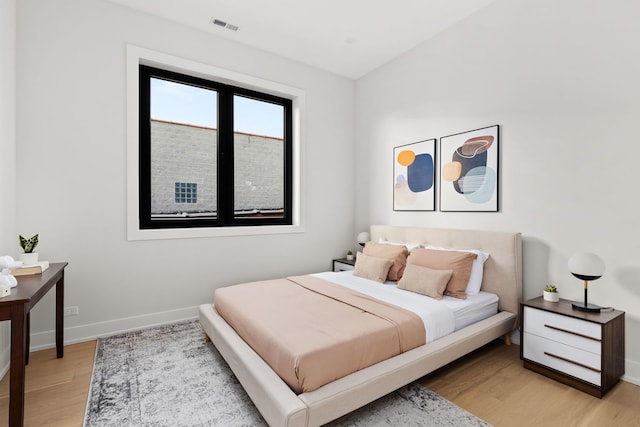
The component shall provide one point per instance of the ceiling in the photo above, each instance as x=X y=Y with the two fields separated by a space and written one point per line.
x=346 y=37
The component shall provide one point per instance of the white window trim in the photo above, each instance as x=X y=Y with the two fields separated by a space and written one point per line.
x=136 y=56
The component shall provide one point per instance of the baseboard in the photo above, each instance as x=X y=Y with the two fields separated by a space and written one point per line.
x=76 y=334
x=515 y=337
x=632 y=374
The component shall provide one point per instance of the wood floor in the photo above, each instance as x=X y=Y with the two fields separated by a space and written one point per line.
x=56 y=389
x=490 y=383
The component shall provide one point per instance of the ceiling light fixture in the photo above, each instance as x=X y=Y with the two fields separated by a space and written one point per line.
x=223 y=24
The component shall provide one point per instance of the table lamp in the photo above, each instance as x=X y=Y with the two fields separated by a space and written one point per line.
x=586 y=266
x=363 y=238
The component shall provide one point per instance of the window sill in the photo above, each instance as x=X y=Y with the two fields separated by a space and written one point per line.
x=191 y=233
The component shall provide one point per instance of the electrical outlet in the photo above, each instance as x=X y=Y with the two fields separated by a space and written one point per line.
x=71 y=311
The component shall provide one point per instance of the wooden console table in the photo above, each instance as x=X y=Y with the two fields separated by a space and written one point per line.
x=16 y=308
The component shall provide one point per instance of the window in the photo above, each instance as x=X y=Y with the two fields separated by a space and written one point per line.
x=186 y=192
x=212 y=154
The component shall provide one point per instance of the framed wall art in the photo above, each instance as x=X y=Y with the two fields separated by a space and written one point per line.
x=469 y=171
x=414 y=176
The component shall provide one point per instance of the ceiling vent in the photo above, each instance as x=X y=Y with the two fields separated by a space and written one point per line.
x=223 y=24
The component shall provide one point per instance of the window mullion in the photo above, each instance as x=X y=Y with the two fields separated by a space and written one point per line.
x=225 y=156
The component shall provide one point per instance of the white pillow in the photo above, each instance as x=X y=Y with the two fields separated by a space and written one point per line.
x=409 y=246
x=477 y=269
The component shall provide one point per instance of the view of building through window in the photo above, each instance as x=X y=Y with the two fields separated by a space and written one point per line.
x=185 y=154
x=183 y=148
x=258 y=159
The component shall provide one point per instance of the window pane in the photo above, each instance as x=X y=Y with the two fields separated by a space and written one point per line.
x=258 y=158
x=183 y=150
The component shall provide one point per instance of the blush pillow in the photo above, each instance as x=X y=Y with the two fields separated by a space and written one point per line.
x=372 y=268
x=477 y=269
x=393 y=252
x=424 y=280
x=459 y=262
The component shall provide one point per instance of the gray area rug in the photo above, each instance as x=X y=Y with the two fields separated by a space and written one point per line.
x=169 y=376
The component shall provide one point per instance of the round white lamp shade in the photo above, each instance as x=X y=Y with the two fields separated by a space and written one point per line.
x=586 y=266
x=363 y=238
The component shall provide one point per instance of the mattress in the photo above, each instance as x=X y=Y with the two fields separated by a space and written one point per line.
x=440 y=317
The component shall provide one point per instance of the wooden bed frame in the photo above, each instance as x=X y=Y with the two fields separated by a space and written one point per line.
x=282 y=407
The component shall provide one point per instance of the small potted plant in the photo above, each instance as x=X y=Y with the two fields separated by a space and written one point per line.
x=28 y=245
x=551 y=293
x=350 y=256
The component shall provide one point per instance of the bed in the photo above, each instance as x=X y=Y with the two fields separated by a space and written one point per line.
x=280 y=406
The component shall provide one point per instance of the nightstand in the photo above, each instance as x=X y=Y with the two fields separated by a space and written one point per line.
x=343 y=264
x=580 y=349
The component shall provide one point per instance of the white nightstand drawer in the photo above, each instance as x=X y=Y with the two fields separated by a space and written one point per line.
x=564 y=358
x=563 y=329
x=342 y=266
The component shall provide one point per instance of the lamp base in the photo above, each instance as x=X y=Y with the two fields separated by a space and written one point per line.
x=591 y=308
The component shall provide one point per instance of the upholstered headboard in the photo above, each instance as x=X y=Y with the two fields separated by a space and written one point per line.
x=503 y=269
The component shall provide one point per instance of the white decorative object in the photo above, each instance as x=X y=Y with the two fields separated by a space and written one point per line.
x=551 y=293
x=28 y=245
x=5 y=291
x=349 y=256
x=551 y=296
x=7 y=261
x=30 y=258
x=6 y=279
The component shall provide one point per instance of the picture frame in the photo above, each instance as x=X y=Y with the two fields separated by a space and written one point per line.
x=414 y=167
x=469 y=171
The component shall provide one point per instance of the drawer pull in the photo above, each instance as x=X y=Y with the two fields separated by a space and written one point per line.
x=571 y=332
x=573 y=362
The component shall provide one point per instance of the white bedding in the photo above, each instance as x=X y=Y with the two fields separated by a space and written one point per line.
x=440 y=317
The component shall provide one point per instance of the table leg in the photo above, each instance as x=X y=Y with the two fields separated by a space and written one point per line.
x=27 y=338
x=17 y=368
x=60 y=317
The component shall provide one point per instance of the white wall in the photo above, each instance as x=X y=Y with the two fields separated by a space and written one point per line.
x=71 y=123
x=561 y=79
x=7 y=148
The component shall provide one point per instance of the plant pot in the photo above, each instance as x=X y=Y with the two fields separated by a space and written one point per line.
x=349 y=257
x=29 y=259
x=551 y=296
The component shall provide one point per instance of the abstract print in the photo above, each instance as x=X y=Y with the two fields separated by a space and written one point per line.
x=469 y=171
x=414 y=173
